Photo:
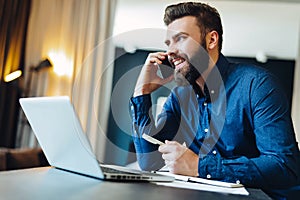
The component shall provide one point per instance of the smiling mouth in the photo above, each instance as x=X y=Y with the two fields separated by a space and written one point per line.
x=179 y=63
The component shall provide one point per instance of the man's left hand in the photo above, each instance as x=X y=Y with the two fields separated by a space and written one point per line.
x=179 y=159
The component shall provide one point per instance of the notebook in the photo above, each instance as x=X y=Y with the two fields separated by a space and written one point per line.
x=66 y=146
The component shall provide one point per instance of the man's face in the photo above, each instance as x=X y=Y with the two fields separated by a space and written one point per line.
x=187 y=52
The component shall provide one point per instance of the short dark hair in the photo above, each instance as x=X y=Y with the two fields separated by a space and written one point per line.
x=208 y=18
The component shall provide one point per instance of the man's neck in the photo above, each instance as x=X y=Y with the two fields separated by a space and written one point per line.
x=212 y=63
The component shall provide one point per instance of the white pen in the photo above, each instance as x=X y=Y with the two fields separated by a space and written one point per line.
x=155 y=141
x=151 y=139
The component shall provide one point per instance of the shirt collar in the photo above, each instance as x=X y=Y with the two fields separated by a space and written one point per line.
x=216 y=78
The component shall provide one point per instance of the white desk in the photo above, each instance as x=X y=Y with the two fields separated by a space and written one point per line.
x=50 y=183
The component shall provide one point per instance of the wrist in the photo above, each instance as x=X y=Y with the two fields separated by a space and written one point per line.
x=141 y=92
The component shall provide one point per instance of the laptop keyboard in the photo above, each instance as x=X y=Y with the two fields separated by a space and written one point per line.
x=113 y=171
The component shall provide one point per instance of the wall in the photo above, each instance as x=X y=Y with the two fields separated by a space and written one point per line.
x=250 y=27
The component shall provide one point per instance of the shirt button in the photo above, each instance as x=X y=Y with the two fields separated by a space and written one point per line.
x=205 y=104
x=197 y=96
x=212 y=91
x=132 y=108
x=208 y=176
x=206 y=130
x=214 y=152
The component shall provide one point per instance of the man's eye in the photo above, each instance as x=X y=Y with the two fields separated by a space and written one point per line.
x=180 y=38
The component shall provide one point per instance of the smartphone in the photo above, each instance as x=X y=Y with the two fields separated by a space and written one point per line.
x=166 y=68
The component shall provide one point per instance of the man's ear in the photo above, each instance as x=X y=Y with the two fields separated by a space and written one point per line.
x=212 y=40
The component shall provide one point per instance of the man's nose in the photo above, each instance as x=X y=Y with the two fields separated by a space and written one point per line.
x=172 y=50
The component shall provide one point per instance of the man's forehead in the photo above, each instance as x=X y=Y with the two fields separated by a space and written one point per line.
x=172 y=32
x=187 y=24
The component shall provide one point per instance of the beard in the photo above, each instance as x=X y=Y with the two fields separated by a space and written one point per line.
x=188 y=78
x=197 y=65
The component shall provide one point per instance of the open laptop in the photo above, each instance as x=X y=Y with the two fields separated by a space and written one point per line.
x=60 y=135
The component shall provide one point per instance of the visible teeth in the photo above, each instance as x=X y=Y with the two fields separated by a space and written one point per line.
x=177 y=62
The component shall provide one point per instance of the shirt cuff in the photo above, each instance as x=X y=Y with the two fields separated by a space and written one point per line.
x=210 y=167
x=140 y=105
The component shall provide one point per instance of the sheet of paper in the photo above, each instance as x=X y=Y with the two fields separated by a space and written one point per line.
x=205 y=187
x=201 y=180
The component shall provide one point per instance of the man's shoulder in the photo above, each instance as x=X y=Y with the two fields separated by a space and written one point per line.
x=249 y=76
x=231 y=71
x=245 y=70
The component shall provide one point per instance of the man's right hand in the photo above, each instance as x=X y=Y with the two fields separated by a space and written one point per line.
x=148 y=80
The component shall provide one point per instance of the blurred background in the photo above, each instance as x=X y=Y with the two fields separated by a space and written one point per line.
x=92 y=51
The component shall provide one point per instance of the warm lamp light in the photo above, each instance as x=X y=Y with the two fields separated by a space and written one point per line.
x=12 y=76
x=62 y=66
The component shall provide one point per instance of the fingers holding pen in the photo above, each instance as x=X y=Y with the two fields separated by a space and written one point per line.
x=179 y=159
x=171 y=150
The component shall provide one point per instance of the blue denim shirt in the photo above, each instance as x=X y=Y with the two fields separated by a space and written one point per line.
x=240 y=127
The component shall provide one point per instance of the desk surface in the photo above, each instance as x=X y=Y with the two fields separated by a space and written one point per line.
x=51 y=183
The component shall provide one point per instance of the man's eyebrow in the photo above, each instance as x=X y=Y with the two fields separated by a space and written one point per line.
x=178 y=34
x=175 y=36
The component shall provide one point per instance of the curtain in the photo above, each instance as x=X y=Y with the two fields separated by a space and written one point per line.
x=14 y=16
x=296 y=96
x=74 y=35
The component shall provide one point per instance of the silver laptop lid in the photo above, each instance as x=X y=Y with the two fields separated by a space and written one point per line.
x=59 y=132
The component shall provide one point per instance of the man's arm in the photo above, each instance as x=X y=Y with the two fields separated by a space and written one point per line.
x=278 y=163
x=143 y=122
x=167 y=125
